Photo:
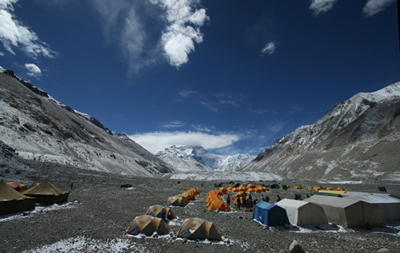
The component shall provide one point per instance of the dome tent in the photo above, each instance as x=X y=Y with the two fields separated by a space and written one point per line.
x=46 y=193
x=156 y=211
x=147 y=225
x=12 y=201
x=177 y=201
x=196 y=228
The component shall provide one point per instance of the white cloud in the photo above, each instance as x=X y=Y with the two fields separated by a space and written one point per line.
x=183 y=29
x=187 y=93
x=14 y=34
x=174 y=124
x=320 y=6
x=158 y=141
x=138 y=39
x=214 y=102
x=373 y=7
x=33 y=70
x=269 y=48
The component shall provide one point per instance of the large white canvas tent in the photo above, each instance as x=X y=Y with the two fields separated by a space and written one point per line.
x=348 y=212
x=303 y=213
x=388 y=204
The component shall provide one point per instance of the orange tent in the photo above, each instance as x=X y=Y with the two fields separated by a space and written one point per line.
x=317 y=188
x=222 y=191
x=193 y=191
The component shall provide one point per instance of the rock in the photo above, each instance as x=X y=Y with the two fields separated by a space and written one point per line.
x=295 y=248
x=383 y=250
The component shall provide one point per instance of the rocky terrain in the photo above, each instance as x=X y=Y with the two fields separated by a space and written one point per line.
x=99 y=210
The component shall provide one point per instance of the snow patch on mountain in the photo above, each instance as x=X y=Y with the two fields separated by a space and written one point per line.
x=196 y=158
x=41 y=129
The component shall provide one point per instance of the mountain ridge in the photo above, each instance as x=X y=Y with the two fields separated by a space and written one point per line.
x=357 y=138
x=40 y=128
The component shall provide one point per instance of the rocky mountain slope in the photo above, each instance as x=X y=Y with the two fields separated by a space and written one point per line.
x=196 y=158
x=38 y=128
x=357 y=139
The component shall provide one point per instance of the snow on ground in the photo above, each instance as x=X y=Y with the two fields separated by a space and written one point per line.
x=341 y=182
x=225 y=176
x=83 y=244
x=38 y=210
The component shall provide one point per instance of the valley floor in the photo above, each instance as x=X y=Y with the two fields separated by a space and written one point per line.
x=99 y=211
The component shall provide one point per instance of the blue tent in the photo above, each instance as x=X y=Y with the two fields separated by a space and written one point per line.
x=270 y=214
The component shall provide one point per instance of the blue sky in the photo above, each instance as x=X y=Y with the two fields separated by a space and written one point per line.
x=232 y=76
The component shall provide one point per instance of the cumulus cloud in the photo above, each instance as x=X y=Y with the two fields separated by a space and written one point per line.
x=320 y=6
x=15 y=34
x=373 y=7
x=33 y=70
x=183 y=29
x=269 y=48
x=133 y=25
x=157 y=141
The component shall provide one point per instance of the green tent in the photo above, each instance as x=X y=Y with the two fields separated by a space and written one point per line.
x=275 y=186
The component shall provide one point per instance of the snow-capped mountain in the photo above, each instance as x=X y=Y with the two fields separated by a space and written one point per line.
x=358 y=138
x=196 y=158
x=38 y=128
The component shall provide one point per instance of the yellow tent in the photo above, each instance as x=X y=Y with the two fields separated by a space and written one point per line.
x=147 y=225
x=196 y=228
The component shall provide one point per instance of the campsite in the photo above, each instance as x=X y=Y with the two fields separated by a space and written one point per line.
x=99 y=211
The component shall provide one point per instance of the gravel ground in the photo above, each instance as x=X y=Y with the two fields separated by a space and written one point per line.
x=99 y=210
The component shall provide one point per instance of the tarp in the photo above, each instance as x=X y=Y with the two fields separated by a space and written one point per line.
x=196 y=228
x=17 y=187
x=330 y=193
x=147 y=225
x=270 y=214
x=303 y=213
x=389 y=205
x=348 y=212
x=12 y=201
x=46 y=193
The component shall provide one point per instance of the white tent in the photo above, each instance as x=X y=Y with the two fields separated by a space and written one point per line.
x=348 y=212
x=303 y=213
x=388 y=204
